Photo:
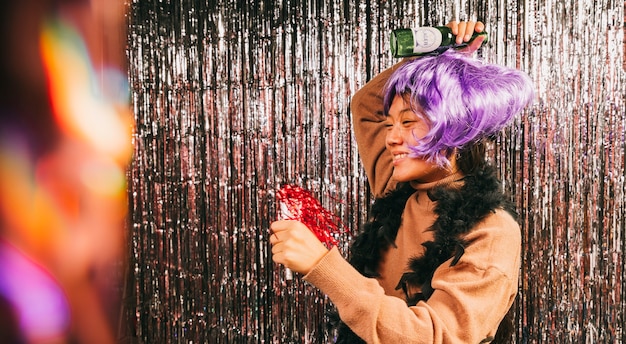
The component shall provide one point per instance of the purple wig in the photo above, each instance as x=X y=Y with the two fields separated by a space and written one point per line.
x=463 y=99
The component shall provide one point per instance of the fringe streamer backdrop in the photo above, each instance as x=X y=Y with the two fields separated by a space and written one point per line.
x=234 y=98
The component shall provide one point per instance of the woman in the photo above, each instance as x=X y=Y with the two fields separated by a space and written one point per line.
x=438 y=261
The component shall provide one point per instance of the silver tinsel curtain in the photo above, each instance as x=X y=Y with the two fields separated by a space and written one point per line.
x=234 y=98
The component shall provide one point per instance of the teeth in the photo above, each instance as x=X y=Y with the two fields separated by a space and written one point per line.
x=399 y=156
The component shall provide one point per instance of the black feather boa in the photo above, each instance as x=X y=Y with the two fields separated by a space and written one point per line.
x=457 y=210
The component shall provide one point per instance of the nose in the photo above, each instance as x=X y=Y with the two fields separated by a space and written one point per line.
x=394 y=136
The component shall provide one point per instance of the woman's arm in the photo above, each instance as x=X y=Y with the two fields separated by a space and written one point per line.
x=366 y=107
x=469 y=301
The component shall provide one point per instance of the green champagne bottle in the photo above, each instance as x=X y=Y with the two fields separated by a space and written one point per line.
x=426 y=40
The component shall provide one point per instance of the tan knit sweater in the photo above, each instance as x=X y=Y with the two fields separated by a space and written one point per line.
x=470 y=298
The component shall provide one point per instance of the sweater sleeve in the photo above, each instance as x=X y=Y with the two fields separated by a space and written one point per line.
x=366 y=107
x=469 y=301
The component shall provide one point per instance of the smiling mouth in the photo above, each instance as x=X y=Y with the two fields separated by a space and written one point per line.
x=400 y=156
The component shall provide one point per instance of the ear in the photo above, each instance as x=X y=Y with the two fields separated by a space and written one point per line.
x=453 y=156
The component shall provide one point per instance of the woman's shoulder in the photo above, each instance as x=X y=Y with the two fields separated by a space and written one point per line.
x=498 y=225
x=495 y=241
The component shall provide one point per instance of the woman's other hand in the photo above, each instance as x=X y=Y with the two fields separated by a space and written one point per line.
x=295 y=246
x=464 y=31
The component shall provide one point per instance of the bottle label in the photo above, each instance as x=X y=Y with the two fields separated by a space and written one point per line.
x=426 y=39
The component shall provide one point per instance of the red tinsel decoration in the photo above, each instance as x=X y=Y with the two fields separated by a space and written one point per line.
x=299 y=204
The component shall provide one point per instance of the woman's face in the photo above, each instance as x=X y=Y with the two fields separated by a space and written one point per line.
x=404 y=128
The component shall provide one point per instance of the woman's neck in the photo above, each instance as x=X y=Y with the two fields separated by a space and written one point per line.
x=450 y=179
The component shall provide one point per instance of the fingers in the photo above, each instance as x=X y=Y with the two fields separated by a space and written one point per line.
x=279 y=234
x=464 y=30
x=277 y=250
x=274 y=239
x=277 y=227
x=474 y=45
x=461 y=34
x=280 y=225
x=277 y=244
x=479 y=27
x=295 y=246
x=454 y=26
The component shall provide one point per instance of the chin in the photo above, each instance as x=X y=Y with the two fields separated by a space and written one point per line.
x=402 y=178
